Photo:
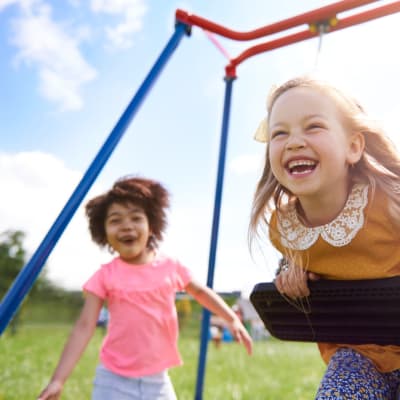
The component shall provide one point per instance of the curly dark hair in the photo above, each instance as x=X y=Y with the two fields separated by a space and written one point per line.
x=146 y=193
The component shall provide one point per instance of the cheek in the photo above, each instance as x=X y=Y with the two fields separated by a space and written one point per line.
x=144 y=228
x=109 y=231
x=274 y=154
x=325 y=148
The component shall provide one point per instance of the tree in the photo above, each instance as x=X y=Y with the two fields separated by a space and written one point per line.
x=43 y=294
x=12 y=259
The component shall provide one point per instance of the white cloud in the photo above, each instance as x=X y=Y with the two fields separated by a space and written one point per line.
x=246 y=163
x=46 y=45
x=132 y=12
x=37 y=186
x=238 y=269
x=5 y=3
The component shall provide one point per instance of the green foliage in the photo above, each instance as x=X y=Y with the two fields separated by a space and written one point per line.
x=12 y=258
x=276 y=371
x=45 y=302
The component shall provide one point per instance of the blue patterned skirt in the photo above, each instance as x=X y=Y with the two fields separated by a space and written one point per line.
x=351 y=376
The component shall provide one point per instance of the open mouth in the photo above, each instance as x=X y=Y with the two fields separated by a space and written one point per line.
x=299 y=167
x=127 y=240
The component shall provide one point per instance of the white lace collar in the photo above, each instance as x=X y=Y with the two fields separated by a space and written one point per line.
x=339 y=232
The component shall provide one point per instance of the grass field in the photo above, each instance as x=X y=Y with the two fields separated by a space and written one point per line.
x=277 y=370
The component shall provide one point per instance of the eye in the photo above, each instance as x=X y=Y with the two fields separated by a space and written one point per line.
x=278 y=133
x=137 y=218
x=314 y=126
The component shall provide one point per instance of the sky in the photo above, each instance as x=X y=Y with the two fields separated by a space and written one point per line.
x=69 y=69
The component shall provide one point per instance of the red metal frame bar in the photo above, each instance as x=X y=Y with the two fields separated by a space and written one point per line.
x=306 y=18
x=317 y=16
x=307 y=34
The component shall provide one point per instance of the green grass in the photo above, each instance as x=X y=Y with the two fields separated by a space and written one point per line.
x=276 y=371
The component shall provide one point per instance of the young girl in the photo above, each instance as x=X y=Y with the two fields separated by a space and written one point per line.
x=329 y=198
x=139 y=286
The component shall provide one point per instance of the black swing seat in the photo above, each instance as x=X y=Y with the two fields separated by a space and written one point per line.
x=337 y=311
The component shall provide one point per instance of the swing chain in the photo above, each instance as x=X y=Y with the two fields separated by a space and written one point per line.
x=322 y=27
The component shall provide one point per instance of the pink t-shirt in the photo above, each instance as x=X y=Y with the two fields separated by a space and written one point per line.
x=143 y=327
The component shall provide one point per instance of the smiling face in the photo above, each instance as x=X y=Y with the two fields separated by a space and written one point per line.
x=310 y=148
x=128 y=231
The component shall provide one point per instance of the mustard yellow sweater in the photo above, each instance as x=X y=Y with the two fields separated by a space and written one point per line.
x=361 y=243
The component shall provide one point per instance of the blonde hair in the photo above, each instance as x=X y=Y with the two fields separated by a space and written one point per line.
x=379 y=164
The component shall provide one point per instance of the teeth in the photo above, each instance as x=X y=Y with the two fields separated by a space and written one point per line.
x=297 y=163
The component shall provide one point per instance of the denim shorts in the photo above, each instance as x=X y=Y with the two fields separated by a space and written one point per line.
x=110 y=386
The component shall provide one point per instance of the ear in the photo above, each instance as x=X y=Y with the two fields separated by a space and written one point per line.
x=356 y=148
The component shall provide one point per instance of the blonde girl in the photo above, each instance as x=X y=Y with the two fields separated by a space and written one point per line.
x=329 y=200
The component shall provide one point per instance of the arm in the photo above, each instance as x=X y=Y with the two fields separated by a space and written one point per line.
x=214 y=303
x=74 y=348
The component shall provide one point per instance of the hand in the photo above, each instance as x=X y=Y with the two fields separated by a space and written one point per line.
x=241 y=335
x=52 y=391
x=293 y=282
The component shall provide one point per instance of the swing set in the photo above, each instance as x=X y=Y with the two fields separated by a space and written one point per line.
x=311 y=24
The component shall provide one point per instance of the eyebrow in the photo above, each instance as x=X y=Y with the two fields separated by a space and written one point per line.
x=315 y=116
x=303 y=119
x=129 y=211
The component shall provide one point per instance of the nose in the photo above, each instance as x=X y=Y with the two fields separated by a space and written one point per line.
x=295 y=142
x=127 y=224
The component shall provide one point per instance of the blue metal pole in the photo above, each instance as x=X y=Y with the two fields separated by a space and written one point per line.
x=205 y=325
x=31 y=270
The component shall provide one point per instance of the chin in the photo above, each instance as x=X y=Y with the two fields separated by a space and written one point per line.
x=305 y=192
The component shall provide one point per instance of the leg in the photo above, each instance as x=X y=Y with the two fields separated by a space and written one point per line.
x=395 y=382
x=352 y=376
